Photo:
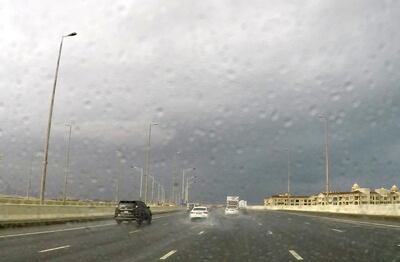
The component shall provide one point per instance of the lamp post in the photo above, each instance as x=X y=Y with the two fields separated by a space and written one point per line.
x=28 y=188
x=141 y=180
x=183 y=182
x=325 y=119
x=67 y=162
x=188 y=183
x=147 y=161
x=46 y=147
x=288 y=174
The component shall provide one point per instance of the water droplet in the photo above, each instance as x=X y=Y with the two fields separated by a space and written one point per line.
x=274 y=115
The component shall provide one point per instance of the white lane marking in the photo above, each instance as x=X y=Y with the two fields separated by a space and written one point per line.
x=52 y=249
x=337 y=230
x=259 y=224
x=135 y=231
x=350 y=221
x=398 y=245
x=201 y=233
x=294 y=253
x=55 y=231
x=165 y=224
x=170 y=253
x=307 y=223
x=270 y=232
x=65 y=229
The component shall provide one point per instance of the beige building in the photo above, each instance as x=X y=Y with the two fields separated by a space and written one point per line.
x=357 y=196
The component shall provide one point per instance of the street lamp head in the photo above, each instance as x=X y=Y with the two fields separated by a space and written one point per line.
x=71 y=34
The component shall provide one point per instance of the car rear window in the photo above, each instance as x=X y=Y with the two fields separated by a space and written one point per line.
x=199 y=209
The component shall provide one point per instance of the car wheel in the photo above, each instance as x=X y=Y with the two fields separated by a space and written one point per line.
x=119 y=222
x=139 y=221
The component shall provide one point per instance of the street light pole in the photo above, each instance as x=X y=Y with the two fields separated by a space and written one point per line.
x=183 y=186
x=326 y=155
x=46 y=147
x=188 y=182
x=288 y=174
x=67 y=163
x=141 y=180
x=147 y=161
x=28 y=189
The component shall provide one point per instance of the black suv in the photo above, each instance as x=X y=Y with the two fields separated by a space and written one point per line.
x=128 y=210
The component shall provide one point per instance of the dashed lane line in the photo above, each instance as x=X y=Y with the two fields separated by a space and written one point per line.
x=201 y=233
x=338 y=230
x=134 y=231
x=270 y=232
x=170 y=253
x=294 y=253
x=55 y=248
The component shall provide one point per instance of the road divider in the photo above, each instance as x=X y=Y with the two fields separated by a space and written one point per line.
x=26 y=214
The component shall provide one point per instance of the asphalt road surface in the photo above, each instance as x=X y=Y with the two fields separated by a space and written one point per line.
x=255 y=236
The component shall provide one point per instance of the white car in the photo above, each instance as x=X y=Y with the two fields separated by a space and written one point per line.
x=231 y=210
x=198 y=212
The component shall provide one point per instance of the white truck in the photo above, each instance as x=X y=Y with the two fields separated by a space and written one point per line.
x=232 y=205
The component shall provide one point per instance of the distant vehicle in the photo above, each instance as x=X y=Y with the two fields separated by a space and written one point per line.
x=231 y=210
x=242 y=204
x=128 y=210
x=232 y=205
x=232 y=201
x=198 y=213
x=190 y=206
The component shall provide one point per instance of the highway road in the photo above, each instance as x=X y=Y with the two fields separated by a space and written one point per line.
x=255 y=236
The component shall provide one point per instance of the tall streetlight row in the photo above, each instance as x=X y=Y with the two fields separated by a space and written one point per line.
x=145 y=170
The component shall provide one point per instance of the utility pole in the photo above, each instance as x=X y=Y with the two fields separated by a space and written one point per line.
x=67 y=163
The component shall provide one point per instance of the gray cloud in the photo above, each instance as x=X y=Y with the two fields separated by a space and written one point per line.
x=231 y=83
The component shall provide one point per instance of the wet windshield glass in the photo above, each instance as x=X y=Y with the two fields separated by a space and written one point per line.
x=279 y=120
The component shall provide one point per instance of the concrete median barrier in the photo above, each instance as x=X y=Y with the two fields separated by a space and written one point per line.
x=26 y=214
x=382 y=210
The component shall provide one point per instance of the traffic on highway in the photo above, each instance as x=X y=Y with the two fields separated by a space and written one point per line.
x=249 y=236
x=199 y=130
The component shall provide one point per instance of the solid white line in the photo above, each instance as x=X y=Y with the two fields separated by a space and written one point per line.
x=52 y=249
x=337 y=230
x=135 y=231
x=65 y=229
x=349 y=221
x=294 y=253
x=55 y=231
x=170 y=253
x=201 y=232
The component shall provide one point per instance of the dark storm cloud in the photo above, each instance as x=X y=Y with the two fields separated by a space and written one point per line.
x=231 y=83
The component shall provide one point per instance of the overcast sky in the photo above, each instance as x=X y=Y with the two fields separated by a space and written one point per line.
x=231 y=84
